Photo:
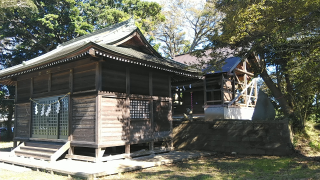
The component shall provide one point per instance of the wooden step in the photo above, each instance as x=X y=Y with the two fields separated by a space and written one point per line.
x=36 y=155
x=38 y=149
x=50 y=151
x=51 y=145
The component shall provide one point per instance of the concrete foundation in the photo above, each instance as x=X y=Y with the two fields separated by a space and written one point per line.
x=218 y=112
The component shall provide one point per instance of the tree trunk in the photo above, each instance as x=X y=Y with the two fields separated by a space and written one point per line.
x=261 y=69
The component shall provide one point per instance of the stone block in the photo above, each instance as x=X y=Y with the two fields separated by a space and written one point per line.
x=260 y=126
x=216 y=143
x=247 y=129
x=235 y=126
x=234 y=138
x=220 y=124
x=232 y=132
x=219 y=137
x=245 y=138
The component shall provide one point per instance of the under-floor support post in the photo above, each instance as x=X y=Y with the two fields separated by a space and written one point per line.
x=127 y=149
x=151 y=145
x=71 y=151
x=99 y=153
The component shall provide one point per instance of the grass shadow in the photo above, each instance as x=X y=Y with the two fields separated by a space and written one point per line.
x=8 y=149
x=242 y=167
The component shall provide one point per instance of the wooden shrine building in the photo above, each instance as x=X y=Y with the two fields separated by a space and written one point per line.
x=227 y=93
x=106 y=89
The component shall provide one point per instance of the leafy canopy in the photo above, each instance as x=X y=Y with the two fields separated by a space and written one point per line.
x=283 y=35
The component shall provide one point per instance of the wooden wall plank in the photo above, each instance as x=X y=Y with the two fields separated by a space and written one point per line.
x=83 y=119
x=23 y=120
x=160 y=83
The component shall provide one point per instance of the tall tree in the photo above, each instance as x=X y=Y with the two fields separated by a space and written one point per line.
x=7 y=45
x=171 y=34
x=102 y=13
x=29 y=28
x=187 y=25
x=282 y=34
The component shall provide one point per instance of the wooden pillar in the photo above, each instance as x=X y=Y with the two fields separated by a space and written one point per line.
x=98 y=120
x=204 y=91
x=99 y=153
x=15 y=115
x=127 y=146
x=150 y=84
x=245 y=82
x=31 y=109
x=70 y=138
x=170 y=90
x=222 y=90
x=128 y=81
x=71 y=151
x=99 y=75
x=151 y=143
x=233 y=86
x=49 y=81
x=127 y=149
x=255 y=91
x=171 y=125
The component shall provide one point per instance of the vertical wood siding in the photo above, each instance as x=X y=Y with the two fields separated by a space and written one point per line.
x=40 y=83
x=23 y=90
x=84 y=77
x=139 y=82
x=160 y=83
x=60 y=81
x=161 y=111
x=23 y=120
x=113 y=78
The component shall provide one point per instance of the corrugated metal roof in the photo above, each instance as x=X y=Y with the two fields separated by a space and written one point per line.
x=146 y=57
x=230 y=62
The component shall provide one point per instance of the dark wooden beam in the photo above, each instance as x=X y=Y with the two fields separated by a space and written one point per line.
x=150 y=84
x=204 y=91
x=70 y=138
x=233 y=86
x=49 y=82
x=98 y=122
x=15 y=114
x=222 y=89
x=128 y=81
x=99 y=75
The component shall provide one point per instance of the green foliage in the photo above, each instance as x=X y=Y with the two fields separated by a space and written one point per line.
x=29 y=28
x=284 y=35
x=187 y=25
x=40 y=28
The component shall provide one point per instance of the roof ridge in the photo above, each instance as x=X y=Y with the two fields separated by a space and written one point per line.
x=127 y=22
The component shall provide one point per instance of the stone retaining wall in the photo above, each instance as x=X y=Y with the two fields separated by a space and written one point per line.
x=242 y=137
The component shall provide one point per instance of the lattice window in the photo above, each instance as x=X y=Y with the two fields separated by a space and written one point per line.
x=178 y=97
x=139 y=109
x=53 y=125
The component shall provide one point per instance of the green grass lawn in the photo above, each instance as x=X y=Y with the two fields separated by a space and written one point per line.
x=220 y=166
x=229 y=167
x=213 y=167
